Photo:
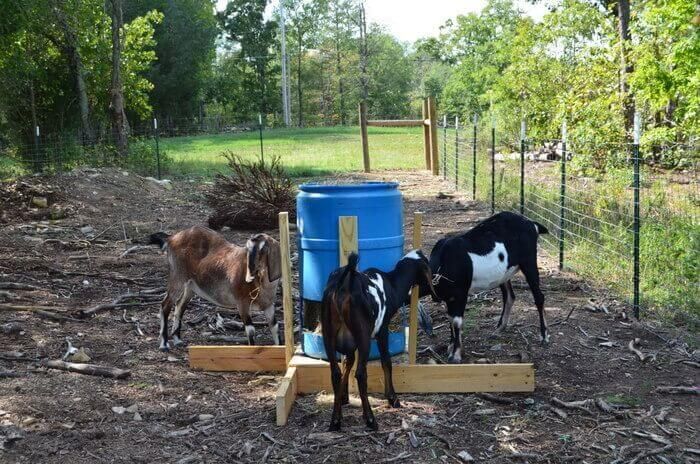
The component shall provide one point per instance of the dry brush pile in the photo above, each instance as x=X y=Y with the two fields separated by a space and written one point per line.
x=252 y=195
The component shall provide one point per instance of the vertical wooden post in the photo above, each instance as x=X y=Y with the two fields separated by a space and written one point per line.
x=287 y=304
x=434 y=155
x=426 y=133
x=347 y=238
x=363 y=131
x=413 y=314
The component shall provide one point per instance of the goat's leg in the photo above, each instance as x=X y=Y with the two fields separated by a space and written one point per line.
x=248 y=321
x=508 y=300
x=180 y=307
x=347 y=369
x=337 y=394
x=456 y=309
x=165 y=308
x=383 y=345
x=532 y=275
x=272 y=324
x=361 y=376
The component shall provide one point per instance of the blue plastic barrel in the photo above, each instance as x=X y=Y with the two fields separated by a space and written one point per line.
x=379 y=210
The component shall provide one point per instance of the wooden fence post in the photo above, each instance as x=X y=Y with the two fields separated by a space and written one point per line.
x=426 y=133
x=434 y=155
x=413 y=313
x=363 y=131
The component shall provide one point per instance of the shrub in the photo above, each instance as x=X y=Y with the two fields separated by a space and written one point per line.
x=251 y=196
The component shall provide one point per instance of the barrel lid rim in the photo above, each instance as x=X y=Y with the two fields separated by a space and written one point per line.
x=360 y=186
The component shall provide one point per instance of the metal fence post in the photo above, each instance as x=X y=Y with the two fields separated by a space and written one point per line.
x=635 y=154
x=444 y=147
x=456 y=152
x=155 y=134
x=37 y=148
x=522 y=167
x=562 y=195
x=474 y=159
x=493 y=169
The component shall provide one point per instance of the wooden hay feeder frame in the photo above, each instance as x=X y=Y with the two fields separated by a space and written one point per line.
x=307 y=375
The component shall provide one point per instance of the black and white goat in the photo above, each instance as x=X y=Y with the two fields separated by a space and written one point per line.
x=358 y=306
x=483 y=258
x=204 y=263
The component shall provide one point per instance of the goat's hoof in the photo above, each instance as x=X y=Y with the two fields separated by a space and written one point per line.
x=164 y=348
x=178 y=343
x=395 y=403
x=454 y=360
x=334 y=427
x=545 y=342
x=372 y=425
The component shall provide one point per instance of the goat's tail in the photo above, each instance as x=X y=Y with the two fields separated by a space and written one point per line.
x=540 y=228
x=160 y=239
x=348 y=272
x=346 y=278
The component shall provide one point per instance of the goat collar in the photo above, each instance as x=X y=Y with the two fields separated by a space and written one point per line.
x=437 y=276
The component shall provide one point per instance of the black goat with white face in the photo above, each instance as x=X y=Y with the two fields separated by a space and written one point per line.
x=358 y=306
x=486 y=257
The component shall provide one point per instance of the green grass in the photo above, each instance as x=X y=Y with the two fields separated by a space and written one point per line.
x=304 y=152
x=11 y=168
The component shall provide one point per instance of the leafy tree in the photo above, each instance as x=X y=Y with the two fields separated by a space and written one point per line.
x=184 y=51
x=244 y=24
x=305 y=17
x=666 y=78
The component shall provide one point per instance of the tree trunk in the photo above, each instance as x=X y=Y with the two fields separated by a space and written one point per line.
x=364 y=54
x=120 y=125
x=299 y=92
x=72 y=53
x=338 y=69
x=623 y=13
x=263 y=98
x=35 y=121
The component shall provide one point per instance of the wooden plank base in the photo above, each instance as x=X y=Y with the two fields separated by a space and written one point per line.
x=286 y=394
x=238 y=358
x=313 y=375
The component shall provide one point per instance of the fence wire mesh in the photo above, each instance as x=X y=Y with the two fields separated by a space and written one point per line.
x=590 y=214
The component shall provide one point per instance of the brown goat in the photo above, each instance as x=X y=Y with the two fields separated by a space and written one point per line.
x=204 y=263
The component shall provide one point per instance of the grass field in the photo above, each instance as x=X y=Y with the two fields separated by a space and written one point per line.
x=304 y=152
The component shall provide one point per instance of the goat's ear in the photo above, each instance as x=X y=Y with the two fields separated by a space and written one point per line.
x=274 y=259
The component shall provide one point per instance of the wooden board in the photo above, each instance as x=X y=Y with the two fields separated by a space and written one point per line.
x=429 y=378
x=413 y=314
x=287 y=303
x=396 y=122
x=238 y=358
x=286 y=394
x=347 y=238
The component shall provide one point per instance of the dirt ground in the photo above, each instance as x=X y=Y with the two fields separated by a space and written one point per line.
x=166 y=412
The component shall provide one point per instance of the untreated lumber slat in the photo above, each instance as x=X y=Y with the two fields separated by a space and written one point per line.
x=286 y=394
x=396 y=122
x=428 y=378
x=347 y=233
x=238 y=358
x=413 y=315
x=287 y=303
